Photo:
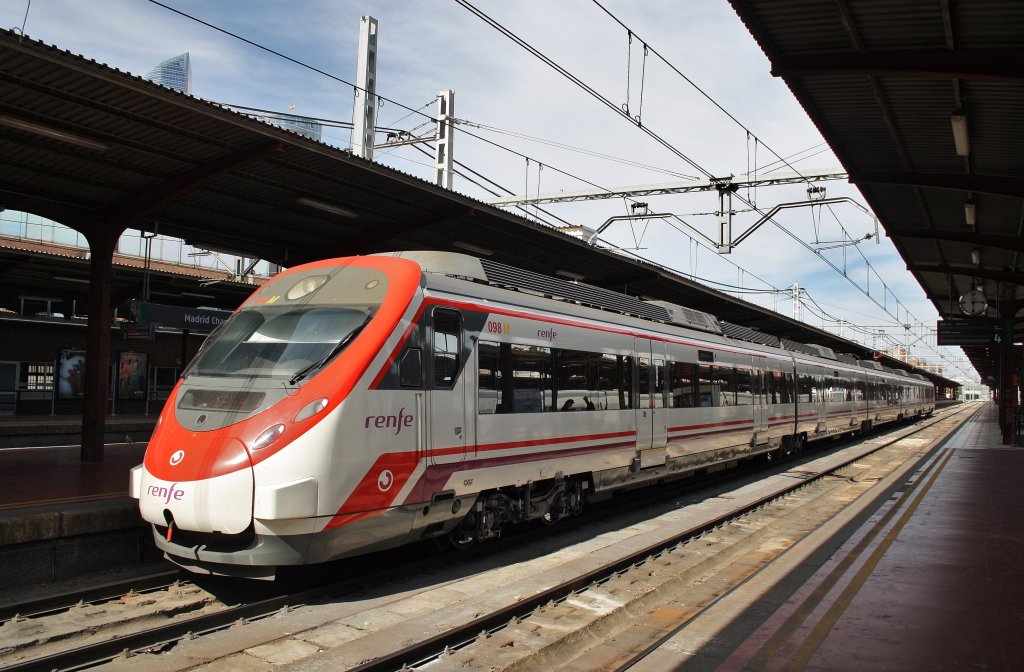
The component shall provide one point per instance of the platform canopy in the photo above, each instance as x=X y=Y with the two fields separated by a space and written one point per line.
x=96 y=149
x=922 y=102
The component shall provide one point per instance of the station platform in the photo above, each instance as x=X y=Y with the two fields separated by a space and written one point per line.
x=928 y=581
x=60 y=517
x=20 y=431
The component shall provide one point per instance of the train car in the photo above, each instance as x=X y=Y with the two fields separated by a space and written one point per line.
x=356 y=404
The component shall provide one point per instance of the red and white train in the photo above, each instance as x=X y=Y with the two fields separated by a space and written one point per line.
x=356 y=404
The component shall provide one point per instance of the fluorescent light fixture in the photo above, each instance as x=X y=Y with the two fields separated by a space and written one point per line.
x=569 y=274
x=52 y=133
x=470 y=247
x=960 y=138
x=327 y=207
x=976 y=256
x=970 y=213
x=198 y=295
x=64 y=278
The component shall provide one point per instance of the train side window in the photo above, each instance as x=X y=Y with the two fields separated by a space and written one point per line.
x=726 y=381
x=785 y=384
x=651 y=382
x=744 y=387
x=788 y=388
x=626 y=396
x=410 y=368
x=531 y=379
x=447 y=332
x=771 y=386
x=683 y=385
x=494 y=379
x=806 y=393
x=573 y=381
x=709 y=388
x=644 y=381
x=488 y=379
x=615 y=381
x=660 y=383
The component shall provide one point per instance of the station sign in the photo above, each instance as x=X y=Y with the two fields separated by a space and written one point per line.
x=200 y=320
x=129 y=333
x=974 y=331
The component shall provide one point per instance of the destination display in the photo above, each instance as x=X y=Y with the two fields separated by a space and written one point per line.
x=975 y=331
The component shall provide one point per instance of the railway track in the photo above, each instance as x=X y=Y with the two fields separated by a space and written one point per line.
x=533 y=626
x=379 y=590
x=51 y=604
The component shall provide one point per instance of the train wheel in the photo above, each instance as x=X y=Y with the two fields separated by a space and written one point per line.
x=464 y=536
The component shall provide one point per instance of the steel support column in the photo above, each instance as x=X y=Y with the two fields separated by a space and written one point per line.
x=1008 y=381
x=102 y=242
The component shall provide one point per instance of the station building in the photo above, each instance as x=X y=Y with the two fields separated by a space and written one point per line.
x=43 y=332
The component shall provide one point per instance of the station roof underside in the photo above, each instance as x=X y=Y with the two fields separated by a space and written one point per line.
x=92 y=147
x=882 y=81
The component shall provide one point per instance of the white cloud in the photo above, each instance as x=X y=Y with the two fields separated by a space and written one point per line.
x=431 y=45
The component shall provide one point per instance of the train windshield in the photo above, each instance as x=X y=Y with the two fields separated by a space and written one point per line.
x=279 y=341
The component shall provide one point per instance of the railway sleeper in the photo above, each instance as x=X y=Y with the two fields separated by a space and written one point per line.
x=548 y=501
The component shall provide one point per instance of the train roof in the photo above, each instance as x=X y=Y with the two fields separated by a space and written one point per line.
x=495 y=274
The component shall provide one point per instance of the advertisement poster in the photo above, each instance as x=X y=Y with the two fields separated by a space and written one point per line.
x=131 y=375
x=71 y=373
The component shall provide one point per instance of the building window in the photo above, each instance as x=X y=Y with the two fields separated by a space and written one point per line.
x=36 y=376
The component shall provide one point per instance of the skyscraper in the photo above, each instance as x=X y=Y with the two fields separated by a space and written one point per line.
x=302 y=125
x=175 y=73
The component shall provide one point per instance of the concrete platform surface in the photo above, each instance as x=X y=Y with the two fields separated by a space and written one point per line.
x=929 y=582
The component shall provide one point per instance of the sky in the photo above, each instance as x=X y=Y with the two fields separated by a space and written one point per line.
x=525 y=122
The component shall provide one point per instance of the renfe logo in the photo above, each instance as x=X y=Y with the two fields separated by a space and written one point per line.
x=386 y=421
x=547 y=334
x=173 y=492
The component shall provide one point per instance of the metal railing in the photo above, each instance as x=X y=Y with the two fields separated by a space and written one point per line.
x=25 y=226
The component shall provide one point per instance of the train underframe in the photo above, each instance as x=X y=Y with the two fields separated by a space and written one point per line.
x=486 y=515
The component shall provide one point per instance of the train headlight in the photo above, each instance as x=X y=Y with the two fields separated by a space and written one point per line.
x=267 y=437
x=311 y=409
x=305 y=286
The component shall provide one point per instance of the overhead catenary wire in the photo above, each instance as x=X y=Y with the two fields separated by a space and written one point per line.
x=571 y=148
x=605 y=101
x=781 y=159
x=355 y=87
x=411 y=111
x=580 y=83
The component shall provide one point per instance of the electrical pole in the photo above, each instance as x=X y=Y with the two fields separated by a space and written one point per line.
x=365 y=109
x=444 y=160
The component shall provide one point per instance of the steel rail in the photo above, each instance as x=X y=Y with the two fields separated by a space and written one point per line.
x=416 y=654
x=926 y=463
x=101 y=593
x=423 y=652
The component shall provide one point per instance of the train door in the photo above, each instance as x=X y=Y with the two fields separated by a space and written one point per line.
x=759 y=389
x=651 y=414
x=447 y=398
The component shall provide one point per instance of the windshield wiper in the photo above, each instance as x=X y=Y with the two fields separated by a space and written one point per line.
x=312 y=366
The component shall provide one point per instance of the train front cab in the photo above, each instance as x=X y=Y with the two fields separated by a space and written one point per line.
x=253 y=456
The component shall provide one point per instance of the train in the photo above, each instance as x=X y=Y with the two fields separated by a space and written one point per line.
x=355 y=404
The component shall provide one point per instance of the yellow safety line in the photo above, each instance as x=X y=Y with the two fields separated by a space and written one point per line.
x=783 y=634
x=811 y=644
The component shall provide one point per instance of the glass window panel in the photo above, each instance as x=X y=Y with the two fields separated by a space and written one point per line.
x=531 y=378
x=447 y=327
